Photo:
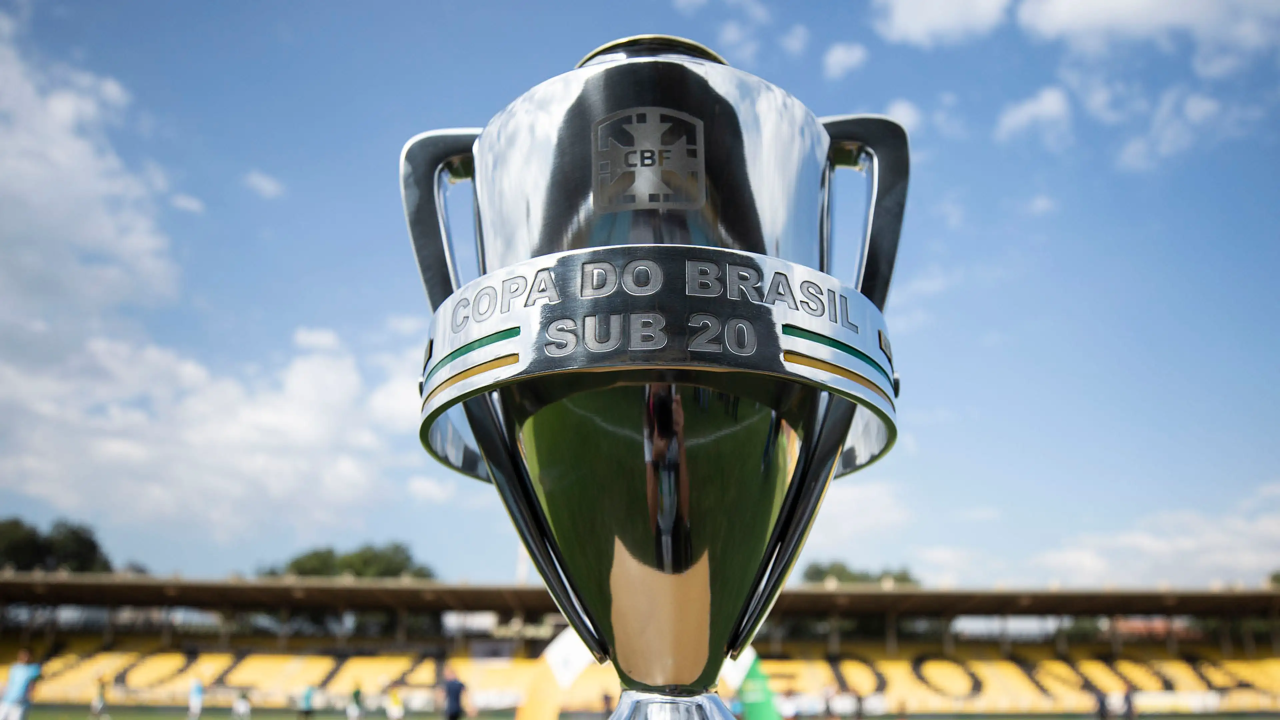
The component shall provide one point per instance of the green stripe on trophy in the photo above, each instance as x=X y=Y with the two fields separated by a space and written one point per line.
x=798 y=332
x=471 y=347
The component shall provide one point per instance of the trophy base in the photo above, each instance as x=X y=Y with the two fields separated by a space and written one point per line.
x=636 y=705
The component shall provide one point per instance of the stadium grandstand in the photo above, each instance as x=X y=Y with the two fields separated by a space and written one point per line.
x=831 y=648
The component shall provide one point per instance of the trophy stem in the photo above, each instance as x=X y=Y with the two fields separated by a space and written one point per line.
x=636 y=705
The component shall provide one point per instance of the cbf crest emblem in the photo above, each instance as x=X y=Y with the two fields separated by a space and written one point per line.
x=648 y=158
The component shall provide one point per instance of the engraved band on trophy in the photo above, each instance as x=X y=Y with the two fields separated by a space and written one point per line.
x=655 y=369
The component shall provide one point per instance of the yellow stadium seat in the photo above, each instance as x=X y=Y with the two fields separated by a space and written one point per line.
x=1102 y=677
x=371 y=674
x=78 y=684
x=1262 y=673
x=805 y=677
x=917 y=679
x=278 y=678
x=153 y=669
x=860 y=676
x=423 y=674
x=206 y=668
x=497 y=677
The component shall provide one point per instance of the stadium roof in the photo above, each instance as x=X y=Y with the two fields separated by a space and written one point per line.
x=414 y=595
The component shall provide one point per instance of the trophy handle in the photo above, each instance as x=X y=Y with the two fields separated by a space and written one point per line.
x=510 y=477
x=795 y=519
x=885 y=142
x=834 y=453
x=426 y=160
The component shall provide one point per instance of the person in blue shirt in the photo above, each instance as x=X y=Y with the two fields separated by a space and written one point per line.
x=452 y=690
x=17 y=694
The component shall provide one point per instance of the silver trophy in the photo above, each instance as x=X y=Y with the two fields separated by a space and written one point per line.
x=654 y=368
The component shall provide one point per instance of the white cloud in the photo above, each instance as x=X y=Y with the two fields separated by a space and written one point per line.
x=843 y=58
x=949 y=124
x=852 y=511
x=1182 y=120
x=407 y=325
x=754 y=10
x=796 y=40
x=265 y=186
x=1106 y=99
x=1228 y=34
x=78 y=228
x=160 y=438
x=316 y=339
x=932 y=281
x=739 y=37
x=431 y=491
x=927 y=23
x=1048 y=112
x=908 y=310
x=187 y=203
x=394 y=405
x=155 y=176
x=1189 y=547
x=1199 y=108
x=101 y=422
x=907 y=113
x=688 y=7
x=945 y=565
x=1041 y=205
x=739 y=42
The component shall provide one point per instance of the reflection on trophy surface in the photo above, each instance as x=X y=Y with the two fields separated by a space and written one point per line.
x=655 y=368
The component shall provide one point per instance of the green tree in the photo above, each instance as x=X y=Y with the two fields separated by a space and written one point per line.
x=818 y=572
x=1275 y=579
x=21 y=545
x=70 y=545
x=74 y=547
x=321 y=561
x=390 y=560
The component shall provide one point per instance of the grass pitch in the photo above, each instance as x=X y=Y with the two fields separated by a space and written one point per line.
x=216 y=713
x=146 y=713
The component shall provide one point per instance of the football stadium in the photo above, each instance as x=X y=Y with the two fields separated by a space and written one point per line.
x=828 y=650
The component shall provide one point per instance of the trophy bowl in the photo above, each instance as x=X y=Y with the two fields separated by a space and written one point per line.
x=654 y=368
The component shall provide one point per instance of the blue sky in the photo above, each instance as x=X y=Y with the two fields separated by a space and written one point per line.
x=210 y=319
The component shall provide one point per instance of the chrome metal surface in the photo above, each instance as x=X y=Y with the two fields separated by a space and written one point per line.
x=765 y=155
x=672 y=360
x=790 y=533
x=634 y=705
x=672 y=308
x=657 y=373
x=662 y=497
x=649 y=46
x=427 y=161
x=884 y=143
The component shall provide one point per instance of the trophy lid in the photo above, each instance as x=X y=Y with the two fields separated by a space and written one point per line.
x=648 y=46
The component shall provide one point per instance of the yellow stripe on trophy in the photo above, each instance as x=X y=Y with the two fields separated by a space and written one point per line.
x=494 y=364
x=824 y=366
